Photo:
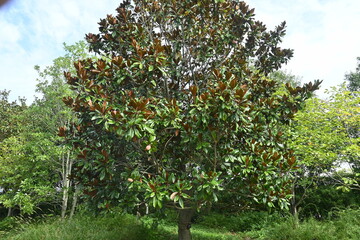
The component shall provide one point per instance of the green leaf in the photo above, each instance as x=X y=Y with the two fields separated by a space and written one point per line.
x=181 y=202
x=102 y=175
x=215 y=197
x=137 y=133
x=149 y=129
x=154 y=202
x=130 y=133
x=152 y=138
x=159 y=204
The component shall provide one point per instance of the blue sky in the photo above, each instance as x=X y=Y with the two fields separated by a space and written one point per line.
x=324 y=34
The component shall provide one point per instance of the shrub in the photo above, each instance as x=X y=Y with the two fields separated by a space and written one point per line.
x=348 y=224
x=322 y=200
x=307 y=230
x=345 y=226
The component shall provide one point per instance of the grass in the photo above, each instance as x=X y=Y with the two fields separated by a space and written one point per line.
x=202 y=233
x=82 y=227
x=116 y=227
x=346 y=225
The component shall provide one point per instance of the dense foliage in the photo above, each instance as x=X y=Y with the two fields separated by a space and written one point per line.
x=26 y=176
x=178 y=107
x=326 y=139
x=34 y=162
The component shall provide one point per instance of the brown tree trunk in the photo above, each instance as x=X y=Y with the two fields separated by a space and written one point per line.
x=184 y=223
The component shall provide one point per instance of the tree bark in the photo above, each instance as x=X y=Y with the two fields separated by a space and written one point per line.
x=184 y=223
x=294 y=206
x=74 y=201
x=66 y=171
x=10 y=212
x=65 y=198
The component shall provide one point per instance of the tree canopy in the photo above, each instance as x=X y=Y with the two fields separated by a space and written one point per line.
x=178 y=107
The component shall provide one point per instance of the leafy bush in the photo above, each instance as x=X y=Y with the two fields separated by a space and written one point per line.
x=346 y=226
x=307 y=230
x=321 y=201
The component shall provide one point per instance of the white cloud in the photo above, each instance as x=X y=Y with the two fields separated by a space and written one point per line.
x=32 y=33
x=9 y=33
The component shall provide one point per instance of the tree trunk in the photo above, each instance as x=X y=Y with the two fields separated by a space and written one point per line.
x=66 y=171
x=10 y=212
x=74 y=201
x=294 y=206
x=65 y=198
x=184 y=223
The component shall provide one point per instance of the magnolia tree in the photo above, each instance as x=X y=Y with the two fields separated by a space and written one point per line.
x=178 y=108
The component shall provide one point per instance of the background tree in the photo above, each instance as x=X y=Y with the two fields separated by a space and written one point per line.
x=49 y=112
x=353 y=79
x=27 y=172
x=179 y=108
x=326 y=141
x=285 y=77
x=24 y=170
x=10 y=124
x=35 y=164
